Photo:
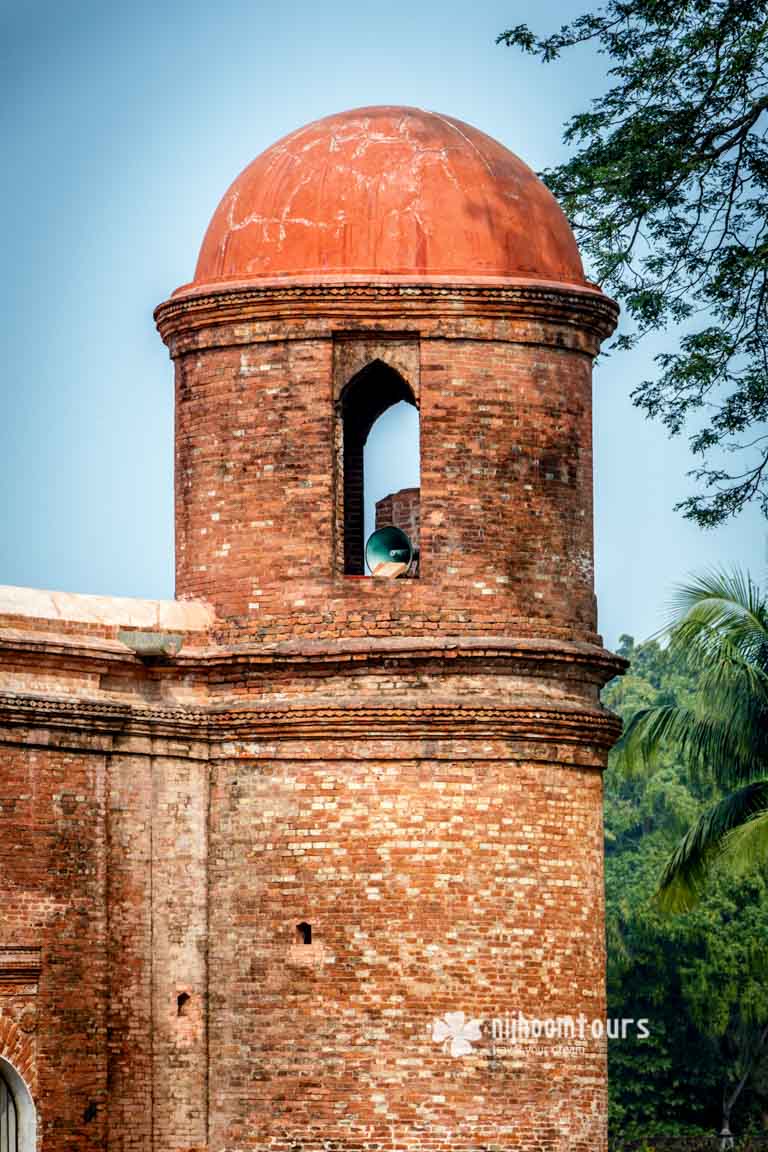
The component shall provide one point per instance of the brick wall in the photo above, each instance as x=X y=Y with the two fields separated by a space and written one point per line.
x=53 y=869
x=433 y=885
x=432 y=809
x=506 y=469
x=401 y=509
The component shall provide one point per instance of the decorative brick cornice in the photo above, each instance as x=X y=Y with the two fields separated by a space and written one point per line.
x=19 y=965
x=524 y=722
x=529 y=720
x=533 y=717
x=524 y=654
x=519 y=653
x=584 y=308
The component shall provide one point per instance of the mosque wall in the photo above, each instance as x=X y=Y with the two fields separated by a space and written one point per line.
x=431 y=813
x=438 y=877
x=53 y=943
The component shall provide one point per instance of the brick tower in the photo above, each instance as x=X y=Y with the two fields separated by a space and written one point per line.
x=271 y=840
x=428 y=797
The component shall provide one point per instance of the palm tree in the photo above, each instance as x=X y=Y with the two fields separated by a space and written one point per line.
x=720 y=625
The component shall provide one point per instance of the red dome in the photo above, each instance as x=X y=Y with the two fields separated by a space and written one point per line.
x=388 y=192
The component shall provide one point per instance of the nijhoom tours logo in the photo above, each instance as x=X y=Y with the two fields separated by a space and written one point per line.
x=461 y=1035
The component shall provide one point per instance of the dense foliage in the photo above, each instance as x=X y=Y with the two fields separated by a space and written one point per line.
x=700 y=978
x=667 y=190
x=720 y=628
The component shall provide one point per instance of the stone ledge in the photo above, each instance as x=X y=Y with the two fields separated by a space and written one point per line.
x=67 y=645
x=107 y=611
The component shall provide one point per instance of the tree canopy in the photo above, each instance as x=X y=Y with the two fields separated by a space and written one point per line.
x=700 y=978
x=667 y=191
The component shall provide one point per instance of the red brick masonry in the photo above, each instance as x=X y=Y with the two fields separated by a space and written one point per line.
x=410 y=768
x=401 y=509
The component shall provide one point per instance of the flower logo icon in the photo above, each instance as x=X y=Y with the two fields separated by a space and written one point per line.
x=456 y=1033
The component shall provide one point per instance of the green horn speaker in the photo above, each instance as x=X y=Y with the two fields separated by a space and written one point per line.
x=388 y=546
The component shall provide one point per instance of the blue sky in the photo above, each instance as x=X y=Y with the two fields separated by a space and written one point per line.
x=123 y=124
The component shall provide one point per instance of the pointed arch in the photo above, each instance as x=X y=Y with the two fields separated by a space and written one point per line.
x=18 y=1116
x=366 y=396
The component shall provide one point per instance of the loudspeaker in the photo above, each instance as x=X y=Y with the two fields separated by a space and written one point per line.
x=389 y=545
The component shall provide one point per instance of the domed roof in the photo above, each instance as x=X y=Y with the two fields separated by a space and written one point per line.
x=388 y=192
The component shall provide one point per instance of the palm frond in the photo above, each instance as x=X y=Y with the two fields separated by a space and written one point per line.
x=729 y=586
x=716 y=833
x=747 y=846
x=713 y=746
x=721 y=615
x=730 y=682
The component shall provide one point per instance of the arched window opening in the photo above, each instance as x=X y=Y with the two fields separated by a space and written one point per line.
x=303 y=933
x=392 y=492
x=182 y=1003
x=9 y=1119
x=377 y=463
x=18 y=1118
